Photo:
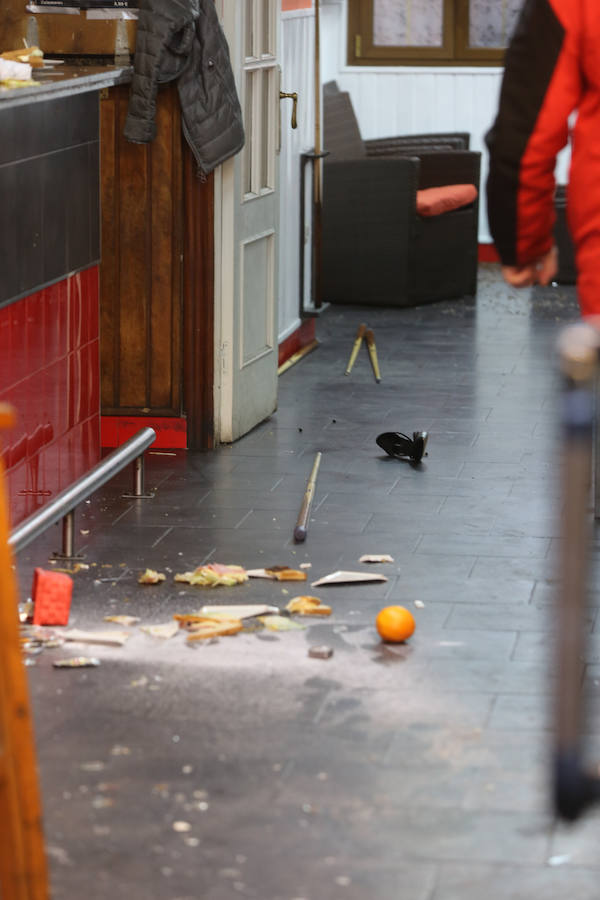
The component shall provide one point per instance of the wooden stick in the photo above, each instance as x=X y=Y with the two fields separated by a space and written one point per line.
x=370 y=339
x=302 y=523
x=356 y=347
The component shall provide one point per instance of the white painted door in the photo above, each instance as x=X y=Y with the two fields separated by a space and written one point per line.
x=246 y=220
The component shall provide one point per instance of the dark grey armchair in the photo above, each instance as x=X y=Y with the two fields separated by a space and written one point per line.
x=376 y=248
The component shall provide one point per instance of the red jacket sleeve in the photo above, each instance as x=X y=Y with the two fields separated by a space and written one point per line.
x=540 y=89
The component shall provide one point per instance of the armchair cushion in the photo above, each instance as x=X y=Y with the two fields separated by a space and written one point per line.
x=437 y=200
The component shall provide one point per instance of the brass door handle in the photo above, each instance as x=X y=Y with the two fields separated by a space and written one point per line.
x=294 y=97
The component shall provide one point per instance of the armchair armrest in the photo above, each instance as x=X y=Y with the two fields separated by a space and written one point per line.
x=368 y=218
x=451 y=167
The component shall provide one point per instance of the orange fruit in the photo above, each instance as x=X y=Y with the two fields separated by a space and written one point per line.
x=395 y=623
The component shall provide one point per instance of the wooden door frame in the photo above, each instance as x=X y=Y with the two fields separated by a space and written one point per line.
x=198 y=304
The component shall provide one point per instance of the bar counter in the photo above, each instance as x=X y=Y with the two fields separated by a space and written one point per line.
x=65 y=80
x=49 y=278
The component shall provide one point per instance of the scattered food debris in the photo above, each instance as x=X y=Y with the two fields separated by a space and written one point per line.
x=342 y=577
x=168 y=630
x=111 y=638
x=278 y=573
x=73 y=570
x=376 y=558
x=76 y=662
x=214 y=575
x=151 y=577
x=182 y=826
x=120 y=750
x=95 y=765
x=127 y=621
x=201 y=628
x=321 y=652
x=419 y=604
x=26 y=611
x=239 y=612
x=308 y=606
x=306 y=565
x=279 y=623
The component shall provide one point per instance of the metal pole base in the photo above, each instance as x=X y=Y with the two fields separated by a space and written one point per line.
x=138 y=492
x=137 y=496
x=56 y=557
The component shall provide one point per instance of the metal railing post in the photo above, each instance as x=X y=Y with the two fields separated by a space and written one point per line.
x=138 y=481
x=68 y=537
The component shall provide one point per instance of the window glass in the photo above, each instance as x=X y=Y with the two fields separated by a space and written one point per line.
x=267 y=47
x=491 y=22
x=249 y=46
x=408 y=23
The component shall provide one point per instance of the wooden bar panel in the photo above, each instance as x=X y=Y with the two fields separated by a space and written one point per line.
x=134 y=212
x=141 y=281
x=166 y=236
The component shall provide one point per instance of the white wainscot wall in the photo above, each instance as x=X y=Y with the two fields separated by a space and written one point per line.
x=411 y=100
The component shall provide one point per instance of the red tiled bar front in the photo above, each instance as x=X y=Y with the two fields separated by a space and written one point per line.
x=49 y=297
x=49 y=372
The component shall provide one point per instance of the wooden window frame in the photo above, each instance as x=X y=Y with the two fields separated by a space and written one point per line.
x=455 y=50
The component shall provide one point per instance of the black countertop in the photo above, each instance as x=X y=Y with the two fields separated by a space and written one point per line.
x=65 y=80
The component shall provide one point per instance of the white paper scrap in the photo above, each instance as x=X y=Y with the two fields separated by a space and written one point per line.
x=111 y=14
x=168 y=630
x=61 y=10
x=342 y=577
x=111 y=638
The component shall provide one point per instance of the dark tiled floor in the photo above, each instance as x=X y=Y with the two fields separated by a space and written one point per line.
x=415 y=772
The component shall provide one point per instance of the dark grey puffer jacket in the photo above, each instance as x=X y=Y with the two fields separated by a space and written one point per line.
x=183 y=40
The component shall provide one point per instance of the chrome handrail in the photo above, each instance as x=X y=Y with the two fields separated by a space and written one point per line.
x=62 y=506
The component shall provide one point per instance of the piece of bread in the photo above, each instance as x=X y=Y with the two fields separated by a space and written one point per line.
x=308 y=606
x=282 y=573
x=31 y=55
x=218 y=626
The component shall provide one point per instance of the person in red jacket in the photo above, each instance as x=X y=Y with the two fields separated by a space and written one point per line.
x=552 y=69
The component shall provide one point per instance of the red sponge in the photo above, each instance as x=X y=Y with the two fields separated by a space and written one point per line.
x=51 y=595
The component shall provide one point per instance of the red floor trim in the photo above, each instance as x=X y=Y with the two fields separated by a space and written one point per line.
x=488 y=253
x=303 y=335
x=171 y=433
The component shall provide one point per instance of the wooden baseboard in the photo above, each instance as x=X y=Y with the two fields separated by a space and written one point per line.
x=301 y=337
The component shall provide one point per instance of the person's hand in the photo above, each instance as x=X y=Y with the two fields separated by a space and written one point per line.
x=540 y=272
